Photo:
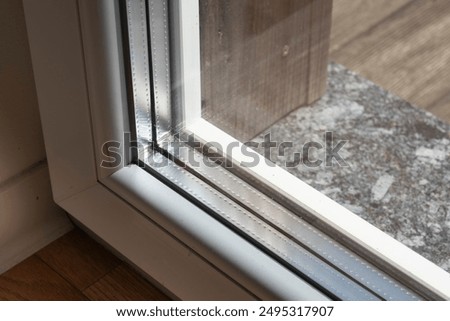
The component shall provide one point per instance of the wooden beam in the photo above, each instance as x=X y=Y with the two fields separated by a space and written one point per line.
x=261 y=59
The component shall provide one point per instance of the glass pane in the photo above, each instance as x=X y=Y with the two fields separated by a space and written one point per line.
x=244 y=74
x=358 y=129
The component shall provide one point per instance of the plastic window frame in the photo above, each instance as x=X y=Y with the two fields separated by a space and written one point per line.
x=78 y=67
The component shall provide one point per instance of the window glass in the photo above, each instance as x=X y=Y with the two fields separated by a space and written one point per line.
x=349 y=128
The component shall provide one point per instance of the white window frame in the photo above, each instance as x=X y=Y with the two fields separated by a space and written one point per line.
x=78 y=67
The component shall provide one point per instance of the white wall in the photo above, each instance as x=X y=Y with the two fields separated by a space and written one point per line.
x=28 y=217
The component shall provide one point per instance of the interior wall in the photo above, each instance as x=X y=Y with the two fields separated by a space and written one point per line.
x=29 y=219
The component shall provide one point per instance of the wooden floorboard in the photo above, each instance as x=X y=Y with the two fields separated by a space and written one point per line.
x=406 y=53
x=34 y=280
x=79 y=259
x=123 y=284
x=75 y=267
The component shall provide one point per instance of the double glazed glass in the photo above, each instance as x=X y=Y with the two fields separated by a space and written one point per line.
x=210 y=83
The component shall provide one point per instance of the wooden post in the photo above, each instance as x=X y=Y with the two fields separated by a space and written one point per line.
x=261 y=59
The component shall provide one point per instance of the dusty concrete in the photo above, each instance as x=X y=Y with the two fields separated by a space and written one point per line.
x=396 y=173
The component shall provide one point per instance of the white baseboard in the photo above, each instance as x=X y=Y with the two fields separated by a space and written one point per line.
x=29 y=219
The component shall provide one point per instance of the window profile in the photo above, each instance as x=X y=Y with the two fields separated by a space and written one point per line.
x=254 y=232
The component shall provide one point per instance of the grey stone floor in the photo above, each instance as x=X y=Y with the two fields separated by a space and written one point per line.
x=396 y=173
